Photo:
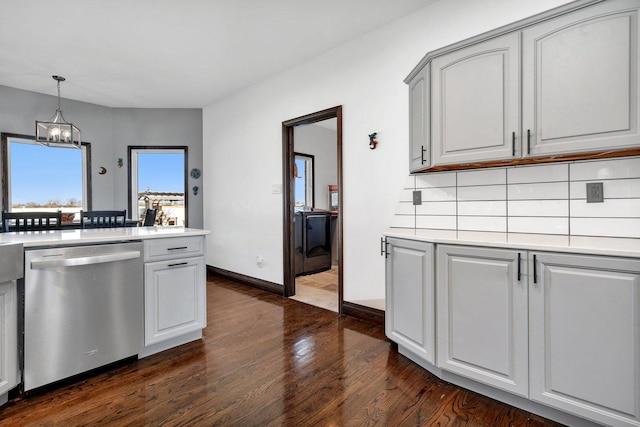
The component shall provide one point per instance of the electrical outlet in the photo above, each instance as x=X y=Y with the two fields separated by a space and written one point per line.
x=417 y=198
x=595 y=192
x=276 y=189
x=259 y=261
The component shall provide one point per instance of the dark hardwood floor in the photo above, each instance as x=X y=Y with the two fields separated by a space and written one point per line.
x=265 y=360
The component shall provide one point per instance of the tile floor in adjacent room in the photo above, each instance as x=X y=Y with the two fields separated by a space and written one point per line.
x=320 y=289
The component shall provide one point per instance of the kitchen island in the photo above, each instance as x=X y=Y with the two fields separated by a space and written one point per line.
x=101 y=290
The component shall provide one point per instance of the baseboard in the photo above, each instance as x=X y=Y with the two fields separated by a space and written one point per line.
x=247 y=280
x=371 y=315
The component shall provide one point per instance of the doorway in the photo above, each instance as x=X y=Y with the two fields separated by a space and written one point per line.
x=334 y=199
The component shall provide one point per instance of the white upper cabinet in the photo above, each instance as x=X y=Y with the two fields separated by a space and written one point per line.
x=475 y=102
x=419 y=121
x=564 y=82
x=580 y=75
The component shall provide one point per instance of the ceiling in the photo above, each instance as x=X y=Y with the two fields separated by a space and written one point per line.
x=170 y=53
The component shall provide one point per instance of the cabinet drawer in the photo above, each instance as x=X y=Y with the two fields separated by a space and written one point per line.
x=172 y=248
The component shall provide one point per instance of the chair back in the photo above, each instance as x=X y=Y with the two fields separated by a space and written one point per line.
x=103 y=219
x=31 y=221
x=150 y=217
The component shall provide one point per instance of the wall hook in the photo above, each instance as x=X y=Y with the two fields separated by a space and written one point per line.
x=373 y=141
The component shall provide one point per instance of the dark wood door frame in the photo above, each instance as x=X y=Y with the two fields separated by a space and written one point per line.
x=289 y=197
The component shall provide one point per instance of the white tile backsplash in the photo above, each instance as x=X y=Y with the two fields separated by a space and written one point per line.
x=605 y=169
x=611 y=208
x=440 y=222
x=403 y=221
x=546 y=173
x=538 y=208
x=482 y=177
x=528 y=200
x=610 y=227
x=539 y=225
x=436 y=208
x=482 y=223
x=410 y=183
x=483 y=208
x=443 y=179
x=405 y=208
x=613 y=189
x=484 y=192
x=538 y=191
x=438 y=194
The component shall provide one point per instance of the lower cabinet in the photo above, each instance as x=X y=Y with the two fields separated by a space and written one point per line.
x=482 y=316
x=410 y=308
x=8 y=337
x=585 y=336
x=562 y=330
x=175 y=299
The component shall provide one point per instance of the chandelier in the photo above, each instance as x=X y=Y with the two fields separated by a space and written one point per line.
x=56 y=131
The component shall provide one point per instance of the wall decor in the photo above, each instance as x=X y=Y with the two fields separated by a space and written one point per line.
x=103 y=170
x=120 y=162
x=373 y=141
x=195 y=173
x=195 y=190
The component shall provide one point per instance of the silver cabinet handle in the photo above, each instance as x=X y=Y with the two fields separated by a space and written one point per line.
x=37 y=264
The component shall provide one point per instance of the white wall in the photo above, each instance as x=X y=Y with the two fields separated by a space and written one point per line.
x=242 y=139
x=320 y=142
x=110 y=130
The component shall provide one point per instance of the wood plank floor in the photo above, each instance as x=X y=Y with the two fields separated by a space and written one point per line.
x=265 y=360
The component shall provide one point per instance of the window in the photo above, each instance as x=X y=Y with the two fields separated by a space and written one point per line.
x=157 y=180
x=303 y=182
x=41 y=178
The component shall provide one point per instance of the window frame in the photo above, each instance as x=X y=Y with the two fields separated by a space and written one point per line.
x=87 y=193
x=132 y=164
x=310 y=177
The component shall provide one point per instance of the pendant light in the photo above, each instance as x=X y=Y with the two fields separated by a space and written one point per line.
x=56 y=131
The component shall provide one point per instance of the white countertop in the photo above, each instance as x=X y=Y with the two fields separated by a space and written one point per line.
x=624 y=247
x=95 y=235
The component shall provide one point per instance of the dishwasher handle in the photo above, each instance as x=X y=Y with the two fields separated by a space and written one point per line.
x=42 y=263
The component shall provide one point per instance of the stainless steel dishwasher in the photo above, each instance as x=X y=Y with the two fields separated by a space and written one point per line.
x=83 y=308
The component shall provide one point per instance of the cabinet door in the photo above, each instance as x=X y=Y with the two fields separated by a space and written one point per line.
x=482 y=316
x=174 y=298
x=585 y=335
x=419 y=121
x=8 y=337
x=580 y=80
x=476 y=102
x=409 y=315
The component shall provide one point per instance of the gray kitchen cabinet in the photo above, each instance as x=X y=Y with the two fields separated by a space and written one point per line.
x=410 y=305
x=174 y=288
x=475 y=102
x=482 y=315
x=580 y=80
x=585 y=335
x=560 y=83
x=420 y=121
x=8 y=338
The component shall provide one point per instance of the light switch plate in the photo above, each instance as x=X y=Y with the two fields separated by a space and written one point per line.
x=417 y=198
x=595 y=192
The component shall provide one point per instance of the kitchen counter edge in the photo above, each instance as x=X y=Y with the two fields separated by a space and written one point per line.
x=96 y=235
x=605 y=246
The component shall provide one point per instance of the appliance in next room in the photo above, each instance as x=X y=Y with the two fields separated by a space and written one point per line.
x=312 y=241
